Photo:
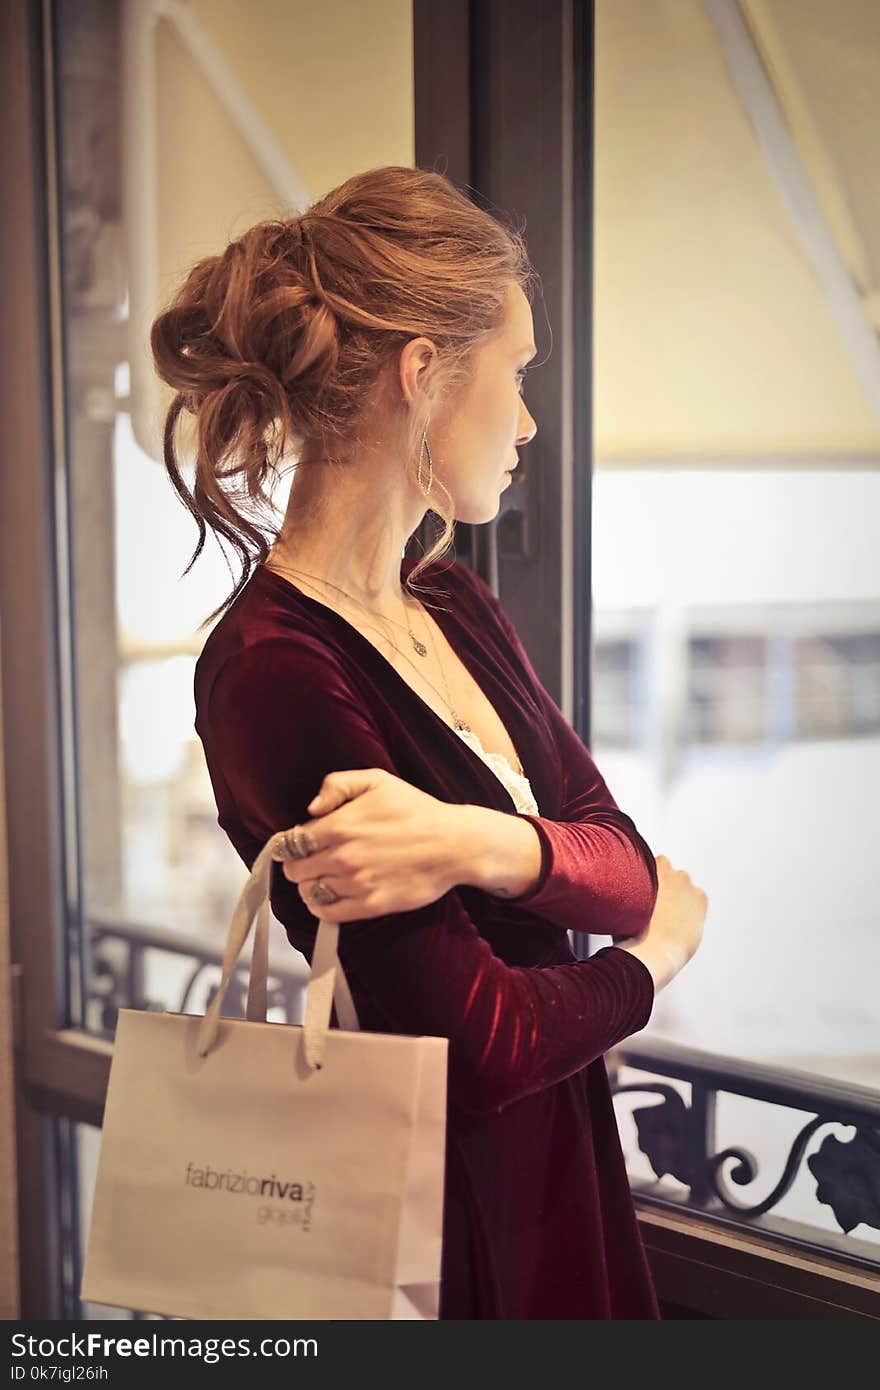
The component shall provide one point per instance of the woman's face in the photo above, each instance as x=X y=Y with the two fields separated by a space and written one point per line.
x=474 y=439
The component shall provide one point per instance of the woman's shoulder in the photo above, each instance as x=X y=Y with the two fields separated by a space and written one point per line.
x=263 y=632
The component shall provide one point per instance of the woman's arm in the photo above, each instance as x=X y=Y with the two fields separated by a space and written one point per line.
x=280 y=716
x=498 y=851
x=597 y=873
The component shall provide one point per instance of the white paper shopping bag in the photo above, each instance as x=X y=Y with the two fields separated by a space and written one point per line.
x=261 y=1170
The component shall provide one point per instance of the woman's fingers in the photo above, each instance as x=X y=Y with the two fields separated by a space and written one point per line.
x=339 y=787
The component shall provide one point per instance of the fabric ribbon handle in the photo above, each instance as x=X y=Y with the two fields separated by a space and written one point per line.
x=327 y=983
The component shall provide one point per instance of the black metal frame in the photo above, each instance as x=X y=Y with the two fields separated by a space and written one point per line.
x=501 y=109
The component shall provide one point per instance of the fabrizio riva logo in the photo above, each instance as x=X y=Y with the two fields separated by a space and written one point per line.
x=271 y=1189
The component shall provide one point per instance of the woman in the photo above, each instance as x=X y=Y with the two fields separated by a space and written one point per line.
x=437 y=801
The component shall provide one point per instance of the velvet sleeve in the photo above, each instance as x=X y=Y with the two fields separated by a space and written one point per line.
x=281 y=715
x=597 y=873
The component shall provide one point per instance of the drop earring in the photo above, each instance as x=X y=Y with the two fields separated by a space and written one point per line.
x=425 y=447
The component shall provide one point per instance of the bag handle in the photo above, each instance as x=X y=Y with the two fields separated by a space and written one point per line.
x=326 y=985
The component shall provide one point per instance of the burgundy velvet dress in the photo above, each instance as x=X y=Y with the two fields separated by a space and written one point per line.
x=539 y=1220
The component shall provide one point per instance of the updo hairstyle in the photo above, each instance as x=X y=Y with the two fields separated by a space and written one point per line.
x=278 y=345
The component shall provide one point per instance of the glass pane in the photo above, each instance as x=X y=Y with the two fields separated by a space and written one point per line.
x=736 y=496
x=745 y=589
x=176 y=131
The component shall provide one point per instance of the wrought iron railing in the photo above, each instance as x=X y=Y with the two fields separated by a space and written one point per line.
x=679 y=1137
x=677 y=1134
x=116 y=975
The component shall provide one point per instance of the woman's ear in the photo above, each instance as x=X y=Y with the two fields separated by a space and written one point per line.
x=416 y=360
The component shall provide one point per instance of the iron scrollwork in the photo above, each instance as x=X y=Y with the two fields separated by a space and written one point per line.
x=848 y=1178
x=117 y=971
x=677 y=1142
x=663 y=1132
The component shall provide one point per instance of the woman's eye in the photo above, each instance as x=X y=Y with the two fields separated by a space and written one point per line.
x=520 y=378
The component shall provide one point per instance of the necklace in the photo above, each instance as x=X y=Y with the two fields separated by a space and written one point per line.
x=459 y=724
x=418 y=646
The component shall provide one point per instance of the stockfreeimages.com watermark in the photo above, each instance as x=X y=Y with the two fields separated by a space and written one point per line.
x=208 y=1349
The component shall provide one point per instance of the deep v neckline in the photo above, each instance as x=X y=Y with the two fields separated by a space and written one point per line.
x=456 y=645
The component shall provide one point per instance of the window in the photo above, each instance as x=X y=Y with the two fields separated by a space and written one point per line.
x=735 y=497
x=616 y=691
x=837 y=685
x=151 y=877
x=727 y=682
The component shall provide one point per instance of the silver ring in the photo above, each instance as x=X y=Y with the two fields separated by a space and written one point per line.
x=323 y=894
x=299 y=843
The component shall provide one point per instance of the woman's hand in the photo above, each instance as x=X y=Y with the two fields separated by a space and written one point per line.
x=380 y=843
x=675 y=931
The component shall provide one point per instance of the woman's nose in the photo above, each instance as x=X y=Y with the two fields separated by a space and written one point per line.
x=528 y=427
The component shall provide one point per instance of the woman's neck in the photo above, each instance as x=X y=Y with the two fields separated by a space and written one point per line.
x=352 y=538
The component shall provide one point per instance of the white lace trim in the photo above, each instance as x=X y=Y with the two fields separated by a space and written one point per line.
x=517 y=783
